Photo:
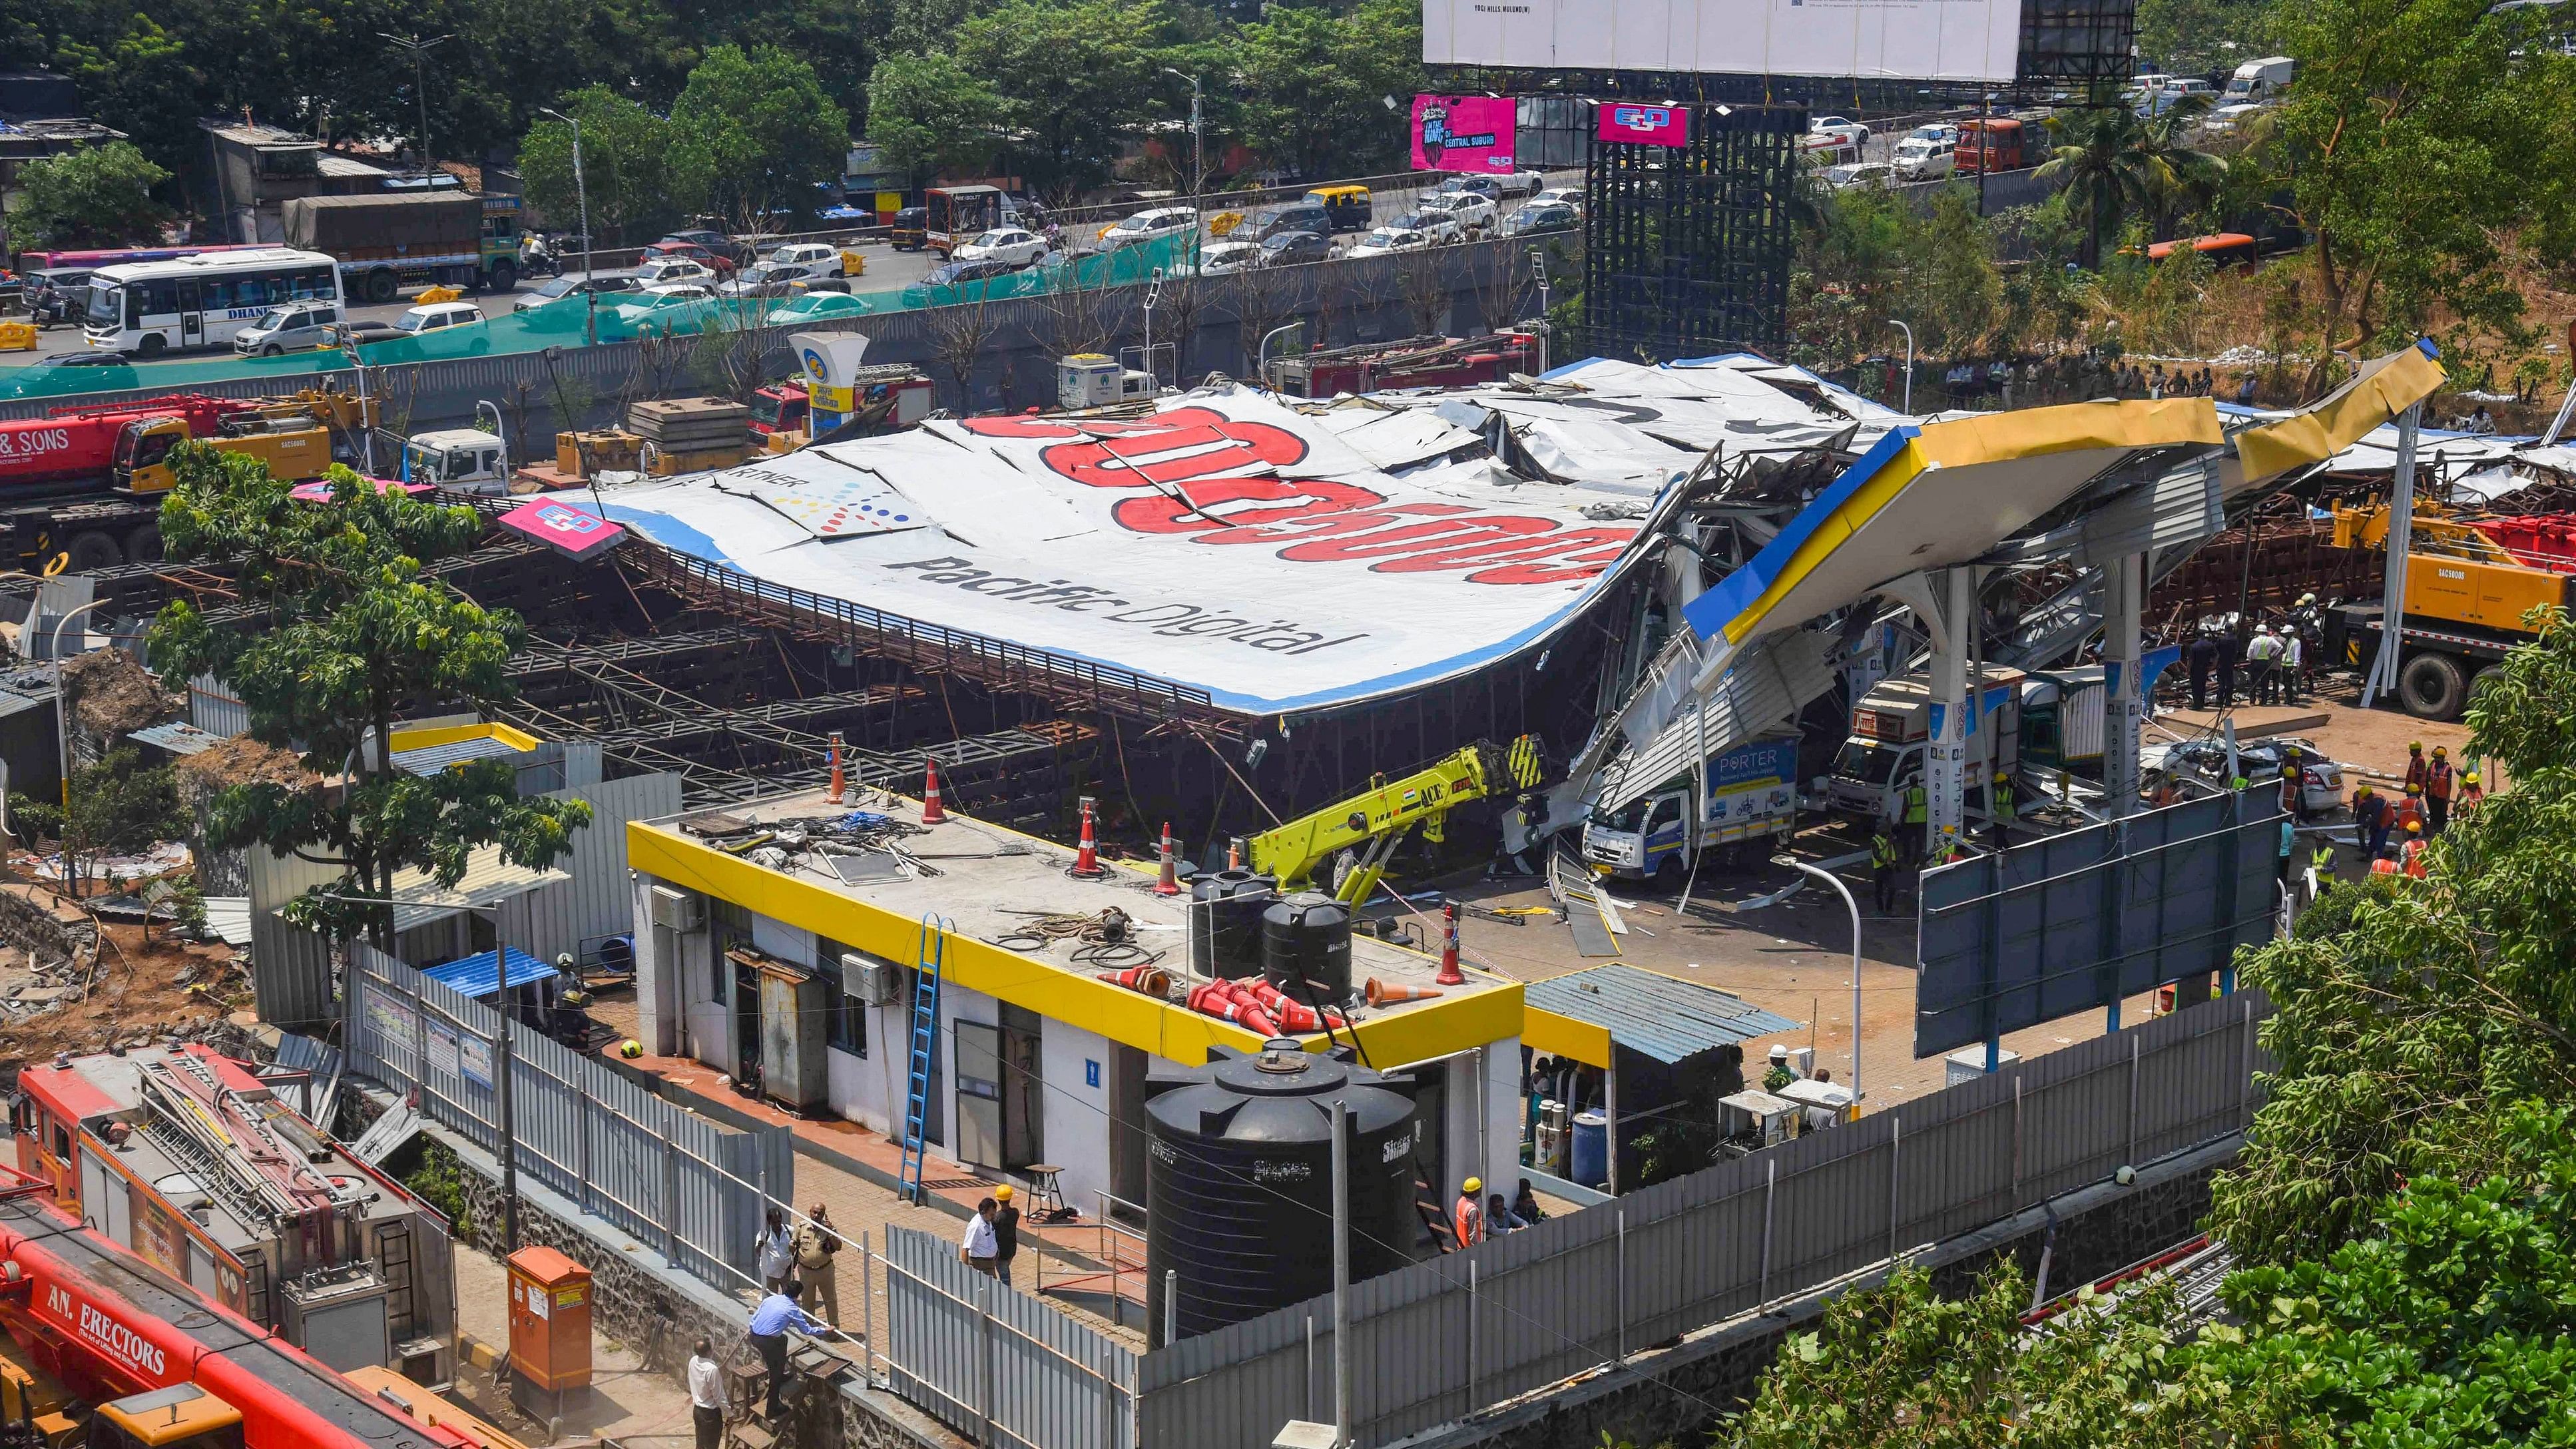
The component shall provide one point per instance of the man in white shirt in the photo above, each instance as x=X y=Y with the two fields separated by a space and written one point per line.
x=707 y=1399
x=777 y=1249
x=981 y=1248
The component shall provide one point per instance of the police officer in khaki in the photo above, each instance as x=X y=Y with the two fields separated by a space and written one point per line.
x=816 y=1242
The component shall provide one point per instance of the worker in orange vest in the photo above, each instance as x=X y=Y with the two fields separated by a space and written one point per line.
x=1467 y=1218
x=2413 y=855
x=2415 y=763
x=2437 y=792
x=2410 y=811
x=2386 y=864
x=2471 y=793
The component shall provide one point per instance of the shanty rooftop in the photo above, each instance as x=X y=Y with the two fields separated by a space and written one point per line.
x=998 y=897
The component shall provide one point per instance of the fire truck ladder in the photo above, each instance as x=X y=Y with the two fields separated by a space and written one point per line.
x=929 y=950
x=229 y=1140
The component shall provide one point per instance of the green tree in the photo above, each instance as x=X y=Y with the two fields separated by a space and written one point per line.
x=96 y=196
x=754 y=134
x=144 y=82
x=625 y=162
x=118 y=807
x=2418 y=136
x=349 y=632
x=1076 y=78
x=1314 y=85
x=2191 y=37
x=2405 y=1039
x=2116 y=163
x=932 y=114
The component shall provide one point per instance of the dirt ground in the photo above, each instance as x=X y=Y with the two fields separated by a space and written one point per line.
x=139 y=990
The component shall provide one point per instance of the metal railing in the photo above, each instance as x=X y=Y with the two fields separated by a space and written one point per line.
x=996 y=1364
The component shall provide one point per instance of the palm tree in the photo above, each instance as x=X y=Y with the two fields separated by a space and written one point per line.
x=2116 y=161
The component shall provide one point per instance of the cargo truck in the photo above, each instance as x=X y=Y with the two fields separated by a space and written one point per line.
x=84 y=484
x=1892 y=726
x=387 y=241
x=2062 y=720
x=1752 y=802
x=2469 y=583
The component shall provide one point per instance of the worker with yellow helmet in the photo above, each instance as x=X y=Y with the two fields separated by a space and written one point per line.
x=1467 y=1217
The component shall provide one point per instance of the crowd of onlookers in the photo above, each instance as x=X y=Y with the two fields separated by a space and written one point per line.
x=2079 y=376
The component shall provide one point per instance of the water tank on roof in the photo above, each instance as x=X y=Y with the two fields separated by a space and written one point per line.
x=1306 y=948
x=1225 y=922
x=1239 y=1182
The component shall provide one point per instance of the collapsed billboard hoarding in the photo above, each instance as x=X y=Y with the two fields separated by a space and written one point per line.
x=1464 y=133
x=2077 y=921
x=1962 y=40
x=1224 y=543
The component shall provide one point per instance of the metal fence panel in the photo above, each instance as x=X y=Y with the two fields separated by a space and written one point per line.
x=1585 y=1290
x=982 y=1356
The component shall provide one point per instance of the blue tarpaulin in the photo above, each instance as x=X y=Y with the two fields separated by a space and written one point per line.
x=474 y=975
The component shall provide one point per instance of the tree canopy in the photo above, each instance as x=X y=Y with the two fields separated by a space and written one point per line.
x=98 y=196
x=753 y=134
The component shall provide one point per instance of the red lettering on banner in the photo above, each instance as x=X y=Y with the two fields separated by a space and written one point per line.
x=1207 y=512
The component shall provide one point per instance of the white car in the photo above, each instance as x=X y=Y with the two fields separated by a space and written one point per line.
x=820 y=259
x=689 y=291
x=437 y=315
x=1438 y=228
x=1842 y=129
x=1558 y=196
x=1941 y=131
x=1474 y=214
x=1862 y=174
x=1145 y=226
x=1217 y=259
x=1921 y=160
x=2227 y=118
x=1387 y=240
x=1519 y=181
x=657 y=271
x=1002 y=244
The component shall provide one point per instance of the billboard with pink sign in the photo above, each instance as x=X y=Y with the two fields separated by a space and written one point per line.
x=1464 y=133
x=319 y=490
x=565 y=529
x=1643 y=125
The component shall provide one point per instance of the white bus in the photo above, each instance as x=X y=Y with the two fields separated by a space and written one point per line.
x=149 y=308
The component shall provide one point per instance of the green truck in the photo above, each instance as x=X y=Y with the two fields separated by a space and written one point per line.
x=391 y=240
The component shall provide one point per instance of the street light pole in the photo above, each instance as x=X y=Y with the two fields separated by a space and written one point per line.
x=418 y=49
x=1909 y=364
x=580 y=187
x=1198 y=169
x=1831 y=879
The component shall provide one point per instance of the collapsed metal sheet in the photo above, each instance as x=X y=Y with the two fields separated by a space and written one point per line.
x=2077 y=921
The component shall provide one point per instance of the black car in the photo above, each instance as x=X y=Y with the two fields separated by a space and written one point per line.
x=1535 y=220
x=89 y=359
x=714 y=241
x=910 y=229
x=1289 y=248
x=1272 y=221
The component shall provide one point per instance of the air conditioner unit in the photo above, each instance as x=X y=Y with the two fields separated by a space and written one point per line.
x=867 y=980
x=675 y=910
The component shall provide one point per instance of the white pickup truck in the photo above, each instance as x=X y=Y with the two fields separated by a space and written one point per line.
x=1752 y=801
x=1891 y=726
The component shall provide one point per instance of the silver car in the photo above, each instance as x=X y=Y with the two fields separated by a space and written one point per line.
x=294 y=327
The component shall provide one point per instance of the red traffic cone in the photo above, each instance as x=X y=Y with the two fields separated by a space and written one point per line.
x=1381 y=994
x=933 y=812
x=1234 y=853
x=1086 y=854
x=839 y=782
x=1449 y=975
x=1170 y=884
x=1214 y=999
x=1151 y=980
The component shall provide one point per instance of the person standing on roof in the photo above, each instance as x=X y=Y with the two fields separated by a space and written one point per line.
x=2437 y=792
x=1467 y=1215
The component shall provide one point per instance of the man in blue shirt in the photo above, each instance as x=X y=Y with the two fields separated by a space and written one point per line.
x=770 y=1321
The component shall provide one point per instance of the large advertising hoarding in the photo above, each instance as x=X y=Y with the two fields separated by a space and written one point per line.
x=1464 y=133
x=1960 y=40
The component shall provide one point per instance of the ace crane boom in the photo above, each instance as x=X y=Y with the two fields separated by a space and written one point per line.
x=1380 y=818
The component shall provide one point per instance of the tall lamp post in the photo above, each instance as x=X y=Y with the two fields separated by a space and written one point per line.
x=580 y=186
x=1198 y=170
x=1829 y=878
x=418 y=49
x=1909 y=363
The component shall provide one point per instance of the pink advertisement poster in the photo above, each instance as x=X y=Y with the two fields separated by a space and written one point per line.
x=1643 y=125
x=568 y=531
x=1464 y=133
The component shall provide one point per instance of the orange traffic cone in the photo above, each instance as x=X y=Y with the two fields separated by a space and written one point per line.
x=1086 y=854
x=1288 y=1011
x=1170 y=884
x=1450 y=975
x=933 y=812
x=1234 y=853
x=839 y=783
x=1151 y=980
x=1381 y=994
x=1215 y=999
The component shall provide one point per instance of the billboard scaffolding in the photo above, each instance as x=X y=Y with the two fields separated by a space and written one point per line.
x=1686 y=247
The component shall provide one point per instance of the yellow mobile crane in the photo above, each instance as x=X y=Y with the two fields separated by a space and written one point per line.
x=1380 y=818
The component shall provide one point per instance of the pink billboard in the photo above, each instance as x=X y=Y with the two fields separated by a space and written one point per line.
x=568 y=531
x=1643 y=125
x=1464 y=133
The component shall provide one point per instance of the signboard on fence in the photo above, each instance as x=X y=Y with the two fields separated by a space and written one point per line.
x=1619 y=122
x=475 y=1054
x=2077 y=921
x=442 y=1051
x=1464 y=133
x=392 y=1021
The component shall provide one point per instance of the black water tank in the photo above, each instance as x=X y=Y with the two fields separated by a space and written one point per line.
x=1239 y=1182
x=1306 y=948
x=1225 y=932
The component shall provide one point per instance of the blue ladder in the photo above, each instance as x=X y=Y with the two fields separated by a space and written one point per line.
x=929 y=950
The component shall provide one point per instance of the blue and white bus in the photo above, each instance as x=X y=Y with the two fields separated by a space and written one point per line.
x=149 y=308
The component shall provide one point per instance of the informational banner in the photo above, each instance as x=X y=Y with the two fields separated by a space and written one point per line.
x=1225 y=543
x=1464 y=133
x=573 y=533
x=1642 y=125
x=1956 y=40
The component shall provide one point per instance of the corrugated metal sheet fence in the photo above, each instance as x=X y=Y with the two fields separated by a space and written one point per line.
x=1442 y=1338
x=666 y=1176
x=997 y=1364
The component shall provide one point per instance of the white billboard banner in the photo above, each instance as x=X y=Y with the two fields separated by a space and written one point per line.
x=1226 y=543
x=1957 y=40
